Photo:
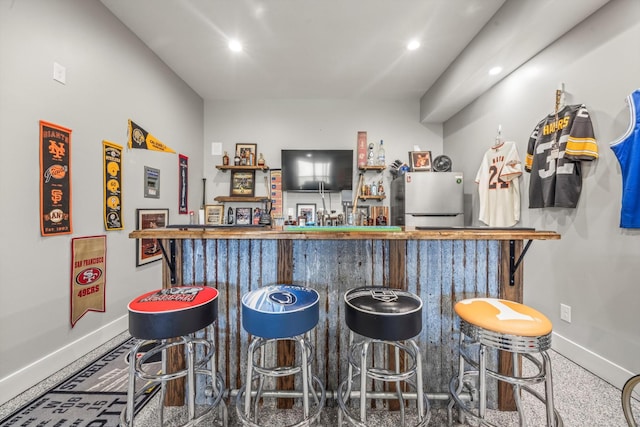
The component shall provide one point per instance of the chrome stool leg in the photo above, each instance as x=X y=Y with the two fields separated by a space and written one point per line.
x=258 y=371
x=358 y=366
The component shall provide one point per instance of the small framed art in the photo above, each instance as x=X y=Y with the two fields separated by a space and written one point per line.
x=307 y=210
x=242 y=183
x=148 y=250
x=243 y=216
x=214 y=214
x=247 y=153
x=420 y=160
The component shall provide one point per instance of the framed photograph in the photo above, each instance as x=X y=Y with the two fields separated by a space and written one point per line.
x=307 y=210
x=148 y=250
x=247 y=153
x=243 y=216
x=214 y=214
x=243 y=183
x=420 y=160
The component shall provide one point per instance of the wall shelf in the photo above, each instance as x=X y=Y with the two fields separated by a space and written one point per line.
x=230 y=199
x=372 y=197
x=378 y=168
x=225 y=168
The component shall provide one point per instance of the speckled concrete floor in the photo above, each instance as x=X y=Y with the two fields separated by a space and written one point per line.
x=582 y=399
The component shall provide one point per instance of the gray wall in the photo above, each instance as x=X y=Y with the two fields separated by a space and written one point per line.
x=322 y=123
x=594 y=268
x=111 y=77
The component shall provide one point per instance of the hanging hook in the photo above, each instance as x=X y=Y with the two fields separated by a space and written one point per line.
x=559 y=97
x=499 y=136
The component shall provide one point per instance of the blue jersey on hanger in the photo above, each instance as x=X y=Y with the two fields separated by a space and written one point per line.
x=627 y=150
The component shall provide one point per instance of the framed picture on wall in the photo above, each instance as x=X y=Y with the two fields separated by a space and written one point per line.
x=242 y=183
x=307 y=210
x=148 y=250
x=243 y=216
x=214 y=214
x=247 y=153
x=420 y=160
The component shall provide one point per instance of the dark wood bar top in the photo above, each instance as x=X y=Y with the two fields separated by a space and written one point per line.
x=344 y=233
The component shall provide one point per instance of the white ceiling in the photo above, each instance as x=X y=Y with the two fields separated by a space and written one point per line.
x=309 y=49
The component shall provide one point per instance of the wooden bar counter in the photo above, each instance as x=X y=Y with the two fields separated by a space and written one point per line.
x=442 y=266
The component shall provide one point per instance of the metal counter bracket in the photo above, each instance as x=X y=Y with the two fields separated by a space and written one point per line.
x=170 y=258
x=513 y=264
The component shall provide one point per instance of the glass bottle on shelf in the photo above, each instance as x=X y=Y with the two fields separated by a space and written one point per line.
x=381 y=156
x=380 y=188
x=370 y=158
x=236 y=160
x=261 y=160
x=225 y=159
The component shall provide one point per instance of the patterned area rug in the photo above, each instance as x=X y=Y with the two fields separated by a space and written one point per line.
x=92 y=397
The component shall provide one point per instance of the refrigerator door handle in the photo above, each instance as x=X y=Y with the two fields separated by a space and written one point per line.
x=439 y=214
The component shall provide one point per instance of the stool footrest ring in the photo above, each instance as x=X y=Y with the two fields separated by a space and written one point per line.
x=462 y=406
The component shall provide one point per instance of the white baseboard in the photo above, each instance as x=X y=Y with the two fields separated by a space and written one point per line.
x=26 y=377
x=610 y=372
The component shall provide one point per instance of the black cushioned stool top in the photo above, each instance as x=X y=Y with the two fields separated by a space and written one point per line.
x=172 y=312
x=383 y=313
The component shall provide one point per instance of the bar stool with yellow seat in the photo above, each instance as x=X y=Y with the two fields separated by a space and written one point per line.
x=508 y=326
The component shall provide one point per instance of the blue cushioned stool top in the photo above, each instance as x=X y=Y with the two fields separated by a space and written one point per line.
x=280 y=311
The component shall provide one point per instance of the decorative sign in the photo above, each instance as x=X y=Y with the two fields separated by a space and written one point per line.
x=140 y=138
x=151 y=183
x=112 y=177
x=55 y=179
x=88 y=275
x=183 y=183
x=276 y=193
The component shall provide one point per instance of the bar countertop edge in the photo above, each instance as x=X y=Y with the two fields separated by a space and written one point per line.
x=407 y=233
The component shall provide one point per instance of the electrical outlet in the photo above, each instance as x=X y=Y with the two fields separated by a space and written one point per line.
x=565 y=313
x=59 y=73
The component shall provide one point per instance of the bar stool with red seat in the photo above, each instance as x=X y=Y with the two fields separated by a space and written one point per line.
x=181 y=316
x=508 y=326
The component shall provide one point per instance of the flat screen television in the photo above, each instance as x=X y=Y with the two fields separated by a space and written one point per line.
x=305 y=170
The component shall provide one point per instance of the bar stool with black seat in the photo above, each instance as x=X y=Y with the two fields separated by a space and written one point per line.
x=387 y=319
x=273 y=314
x=180 y=317
x=509 y=326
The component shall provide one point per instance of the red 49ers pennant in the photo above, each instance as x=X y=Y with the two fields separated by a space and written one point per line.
x=55 y=179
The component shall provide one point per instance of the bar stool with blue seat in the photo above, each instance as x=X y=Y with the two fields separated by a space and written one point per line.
x=391 y=319
x=272 y=314
x=174 y=318
x=499 y=324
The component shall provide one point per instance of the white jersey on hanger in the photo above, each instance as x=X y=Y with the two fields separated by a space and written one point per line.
x=498 y=185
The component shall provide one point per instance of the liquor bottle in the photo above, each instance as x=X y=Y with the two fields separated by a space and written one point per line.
x=370 y=159
x=236 y=159
x=380 y=188
x=381 y=159
x=261 y=160
x=230 y=215
x=225 y=159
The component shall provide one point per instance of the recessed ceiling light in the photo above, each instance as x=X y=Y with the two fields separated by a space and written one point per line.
x=495 y=70
x=235 y=46
x=413 y=45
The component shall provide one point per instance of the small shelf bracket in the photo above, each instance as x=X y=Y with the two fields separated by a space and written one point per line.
x=513 y=263
x=170 y=257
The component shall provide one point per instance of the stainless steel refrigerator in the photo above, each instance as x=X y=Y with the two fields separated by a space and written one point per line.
x=428 y=199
